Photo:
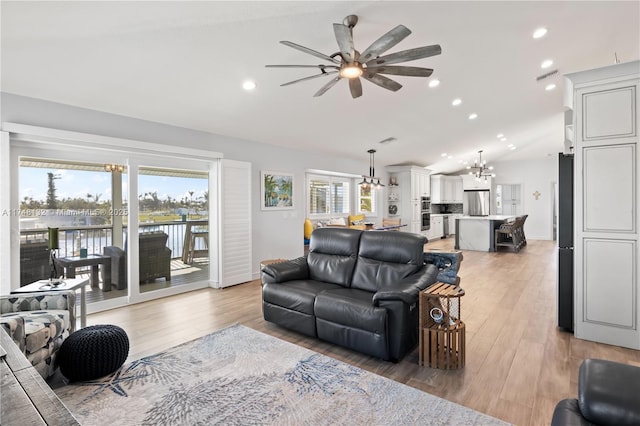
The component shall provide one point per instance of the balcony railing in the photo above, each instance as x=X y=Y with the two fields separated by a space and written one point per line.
x=95 y=237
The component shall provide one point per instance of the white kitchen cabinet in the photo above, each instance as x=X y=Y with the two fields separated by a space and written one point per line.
x=437 y=189
x=446 y=189
x=606 y=197
x=457 y=190
x=413 y=184
x=437 y=228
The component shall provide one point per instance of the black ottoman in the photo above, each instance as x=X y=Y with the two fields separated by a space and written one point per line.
x=93 y=352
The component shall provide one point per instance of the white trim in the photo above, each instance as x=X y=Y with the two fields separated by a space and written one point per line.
x=7 y=276
x=28 y=133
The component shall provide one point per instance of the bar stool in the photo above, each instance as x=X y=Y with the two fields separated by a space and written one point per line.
x=204 y=235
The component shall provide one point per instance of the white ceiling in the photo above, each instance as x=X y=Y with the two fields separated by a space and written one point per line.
x=183 y=63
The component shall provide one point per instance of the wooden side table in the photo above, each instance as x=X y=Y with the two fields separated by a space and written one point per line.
x=441 y=332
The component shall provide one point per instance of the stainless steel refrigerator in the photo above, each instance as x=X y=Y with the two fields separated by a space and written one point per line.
x=476 y=202
x=565 y=241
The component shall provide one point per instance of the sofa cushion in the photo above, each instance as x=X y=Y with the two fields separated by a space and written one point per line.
x=297 y=295
x=352 y=308
x=41 y=327
x=44 y=353
x=332 y=255
x=387 y=257
x=44 y=326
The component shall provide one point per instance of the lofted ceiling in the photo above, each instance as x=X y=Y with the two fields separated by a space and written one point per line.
x=183 y=63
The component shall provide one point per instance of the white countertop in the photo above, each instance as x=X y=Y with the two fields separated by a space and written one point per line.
x=491 y=217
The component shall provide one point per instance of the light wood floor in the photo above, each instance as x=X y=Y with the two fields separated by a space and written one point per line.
x=518 y=363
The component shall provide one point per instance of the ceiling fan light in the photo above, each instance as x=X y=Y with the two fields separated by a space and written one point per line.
x=351 y=71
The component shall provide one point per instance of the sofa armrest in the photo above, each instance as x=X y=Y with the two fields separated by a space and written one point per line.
x=609 y=392
x=295 y=269
x=407 y=290
x=567 y=412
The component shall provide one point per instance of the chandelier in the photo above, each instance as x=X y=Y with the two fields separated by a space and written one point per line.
x=371 y=180
x=480 y=169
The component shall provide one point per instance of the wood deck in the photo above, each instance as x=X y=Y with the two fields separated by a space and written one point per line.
x=181 y=274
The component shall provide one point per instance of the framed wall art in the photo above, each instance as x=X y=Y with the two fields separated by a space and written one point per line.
x=277 y=190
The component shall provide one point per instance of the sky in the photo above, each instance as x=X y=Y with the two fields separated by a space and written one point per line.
x=77 y=184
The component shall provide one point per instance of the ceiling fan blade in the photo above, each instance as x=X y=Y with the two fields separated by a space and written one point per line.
x=345 y=41
x=385 y=43
x=407 y=55
x=303 y=66
x=327 y=86
x=310 y=52
x=383 y=81
x=308 y=78
x=395 y=70
x=355 y=85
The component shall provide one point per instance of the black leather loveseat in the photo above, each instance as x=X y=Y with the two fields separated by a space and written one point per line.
x=355 y=288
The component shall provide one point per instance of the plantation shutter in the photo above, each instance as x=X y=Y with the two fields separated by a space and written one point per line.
x=235 y=215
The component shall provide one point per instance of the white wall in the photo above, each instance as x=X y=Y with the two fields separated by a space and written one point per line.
x=533 y=175
x=275 y=234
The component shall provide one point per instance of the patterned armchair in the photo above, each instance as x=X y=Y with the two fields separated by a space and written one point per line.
x=38 y=323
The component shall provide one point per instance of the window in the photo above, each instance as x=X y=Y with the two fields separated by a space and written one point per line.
x=367 y=199
x=328 y=195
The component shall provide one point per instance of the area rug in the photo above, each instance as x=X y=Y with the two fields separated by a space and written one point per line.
x=243 y=377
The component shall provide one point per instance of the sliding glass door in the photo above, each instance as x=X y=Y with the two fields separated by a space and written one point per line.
x=96 y=211
x=173 y=227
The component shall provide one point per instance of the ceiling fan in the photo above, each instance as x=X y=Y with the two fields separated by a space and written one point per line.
x=351 y=64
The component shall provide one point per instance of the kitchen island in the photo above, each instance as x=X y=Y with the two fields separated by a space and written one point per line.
x=477 y=232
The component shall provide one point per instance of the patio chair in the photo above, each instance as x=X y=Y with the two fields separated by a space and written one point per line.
x=155 y=259
x=34 y=261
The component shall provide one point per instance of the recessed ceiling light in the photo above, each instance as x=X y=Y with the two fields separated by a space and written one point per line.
x=249 y=85
x=550 y=86
x=444 y=154
x=512 y=148
x=434 y=83
x=503 y=139
x=473 y=116
x=540 y=32
x=510 y=145
x=546 y=63
x=450 y=157
x=456 y=102
x=500 y=135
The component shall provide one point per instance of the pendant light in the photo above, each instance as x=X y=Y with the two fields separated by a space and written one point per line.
x=480 y=169
x=371 y=179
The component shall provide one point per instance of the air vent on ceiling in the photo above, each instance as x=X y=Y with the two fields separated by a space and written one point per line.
x=547 y=75
x=387 y=141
